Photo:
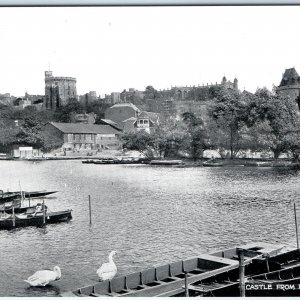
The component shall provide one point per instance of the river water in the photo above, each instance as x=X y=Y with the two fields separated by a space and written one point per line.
x=149 y=215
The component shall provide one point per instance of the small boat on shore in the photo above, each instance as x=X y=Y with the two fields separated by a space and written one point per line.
x=117 y=160
x=169 y=279
x=166 y=162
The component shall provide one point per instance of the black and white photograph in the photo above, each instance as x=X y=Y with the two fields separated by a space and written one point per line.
x=150 y=151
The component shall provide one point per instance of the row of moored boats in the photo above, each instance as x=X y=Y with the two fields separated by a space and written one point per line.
x=21 y=209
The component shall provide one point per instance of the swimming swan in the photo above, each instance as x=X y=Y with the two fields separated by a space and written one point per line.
x=108 y=270
x=44 y=277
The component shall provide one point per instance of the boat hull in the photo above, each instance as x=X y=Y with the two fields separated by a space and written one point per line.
x=169 y=279
x=37 y=220
x=9 y=196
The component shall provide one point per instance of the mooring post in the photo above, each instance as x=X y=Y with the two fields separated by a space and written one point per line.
x=13 y=215
x=186 y=286
x=90 y=209
x=241 y=272
x=296 y=224
x=44 y=213
x=29 y=200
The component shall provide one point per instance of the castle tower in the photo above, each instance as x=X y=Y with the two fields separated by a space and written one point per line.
x=58 y=90
x=290 y=84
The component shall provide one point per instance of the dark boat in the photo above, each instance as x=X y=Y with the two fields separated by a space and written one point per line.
x=8 y=196
x=18 y=209
x=9 y=205
x=166 y=162
x=169 y=279
x=33 y=219
x=280 y=269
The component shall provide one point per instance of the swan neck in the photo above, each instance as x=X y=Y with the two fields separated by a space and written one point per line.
x=110 y=258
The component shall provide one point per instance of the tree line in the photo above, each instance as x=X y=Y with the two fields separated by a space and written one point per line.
x=27 y=127
x=235 y=122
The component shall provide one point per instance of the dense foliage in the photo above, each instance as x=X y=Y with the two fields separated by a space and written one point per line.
x=264 y=121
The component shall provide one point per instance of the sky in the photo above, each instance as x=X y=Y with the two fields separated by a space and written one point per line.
x=109 y=49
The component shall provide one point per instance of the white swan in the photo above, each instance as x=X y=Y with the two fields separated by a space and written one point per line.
x=44 y=277
x=108 y=270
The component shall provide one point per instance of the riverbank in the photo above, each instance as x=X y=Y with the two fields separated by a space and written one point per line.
x=250 y=162
x=136 y=156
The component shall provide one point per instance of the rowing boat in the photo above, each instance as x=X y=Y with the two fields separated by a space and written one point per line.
x=169 y=279
x=11 y=221
x=8 y=196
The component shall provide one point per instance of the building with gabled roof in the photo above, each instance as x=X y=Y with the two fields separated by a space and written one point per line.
x=82 y=136
x=120 y=112
x=147 y=121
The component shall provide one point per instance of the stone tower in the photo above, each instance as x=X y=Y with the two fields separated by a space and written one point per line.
x=235 y=84
x=58 y=90
x=290 y=84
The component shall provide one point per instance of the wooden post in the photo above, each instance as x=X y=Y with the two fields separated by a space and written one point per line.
x=44 y=213
x=241 y=272
x=29 y=200
x=90 y=210
x=186 y=287
x=267 y=263
x=296 y=224
x=13 y=216
x=21 y=194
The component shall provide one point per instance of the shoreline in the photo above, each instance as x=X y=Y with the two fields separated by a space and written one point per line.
x=203 y=162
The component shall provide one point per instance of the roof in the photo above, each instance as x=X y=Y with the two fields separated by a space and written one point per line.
x=154 y=117
x=108 y=121
x=133 y=119
x=128 y=124
x=84 y=128
x=290 y=77
x=126 y=105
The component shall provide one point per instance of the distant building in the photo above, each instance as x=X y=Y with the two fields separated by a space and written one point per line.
x=25 y=151
x=147 y=121
x=88 y=98
x=78 y=136
x=115 y=97
x=84 y=118
x=132 y=95
x=5 y=99
x=290 y=84
x=58 y=90
x=120 y=112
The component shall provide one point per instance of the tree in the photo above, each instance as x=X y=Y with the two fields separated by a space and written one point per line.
x=198 y=138
x=64 y=114
x=140 y=141
x=226 y=127
x=150 y=92
x=276 y=120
